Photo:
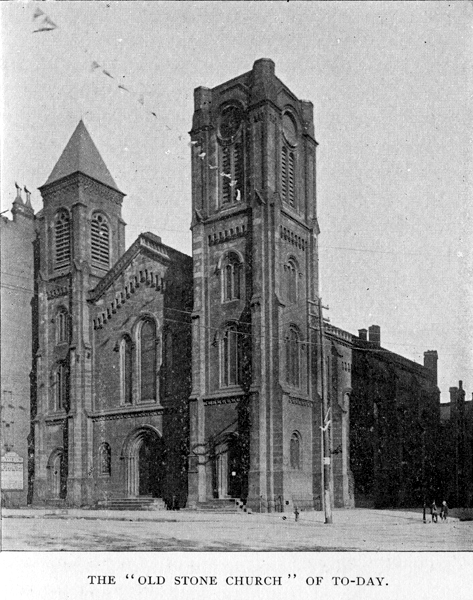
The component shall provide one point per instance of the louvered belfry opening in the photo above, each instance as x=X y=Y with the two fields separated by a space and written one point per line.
x=232 y=167
x=288 y=175
x=62 y=240
x=100 y=239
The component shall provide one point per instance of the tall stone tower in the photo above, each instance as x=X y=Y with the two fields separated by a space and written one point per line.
x=254 y=409
x=81 y=235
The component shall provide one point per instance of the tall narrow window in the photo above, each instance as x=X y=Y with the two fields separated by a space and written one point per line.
x=148 y=360
x=295 y=451
x=62 y=240
x=230 y=358
x=288 y=176
x=126 y=370
x=291 y=281
x=60 y=385
x=293 y=354
x=291 y=176
x=232 y=269
x=288 y=166
x=284 y=178
x=105 y=462
x=100 y=242
x=62 y=326
x=232 y=172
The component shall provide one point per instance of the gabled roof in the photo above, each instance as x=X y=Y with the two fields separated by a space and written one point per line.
x=148 y=243
x=81 y=155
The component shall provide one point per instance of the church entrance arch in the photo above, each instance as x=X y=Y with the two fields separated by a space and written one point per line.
x=55 y=473
x=226 y=467
x=144 y=457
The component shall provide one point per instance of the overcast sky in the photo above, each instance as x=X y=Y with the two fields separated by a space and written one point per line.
x=391 y=88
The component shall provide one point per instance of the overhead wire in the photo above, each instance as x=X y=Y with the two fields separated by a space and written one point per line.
x=219 y=330
x=105 y=71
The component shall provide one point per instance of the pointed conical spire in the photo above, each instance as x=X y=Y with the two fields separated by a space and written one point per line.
x=81 y=155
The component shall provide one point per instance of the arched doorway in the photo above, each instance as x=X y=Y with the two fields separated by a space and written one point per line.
x=227 y=467
x=55 y=473
x=144 y=463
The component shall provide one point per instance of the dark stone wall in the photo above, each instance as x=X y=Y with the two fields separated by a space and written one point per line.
x=394 y=424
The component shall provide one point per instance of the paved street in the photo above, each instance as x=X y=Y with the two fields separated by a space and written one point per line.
x=352 y=530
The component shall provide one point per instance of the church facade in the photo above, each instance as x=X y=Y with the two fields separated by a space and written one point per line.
x=112 y=389
x=182 y=381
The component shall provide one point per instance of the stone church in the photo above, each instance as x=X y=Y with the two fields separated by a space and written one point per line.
x=110 y=410
x=181 y=381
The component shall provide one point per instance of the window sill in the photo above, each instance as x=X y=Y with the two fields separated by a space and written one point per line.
x=233 y=390
x=145 y=401
x=57 y=415
x=294 y=392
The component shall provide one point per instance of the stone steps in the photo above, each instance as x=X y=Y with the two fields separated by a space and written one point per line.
x=140 y=503
x=225 y=505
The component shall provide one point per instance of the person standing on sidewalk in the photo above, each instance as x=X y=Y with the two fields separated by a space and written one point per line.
x=433 y=512
x=444 y=511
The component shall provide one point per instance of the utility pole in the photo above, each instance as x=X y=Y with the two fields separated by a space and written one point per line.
x=325 y=427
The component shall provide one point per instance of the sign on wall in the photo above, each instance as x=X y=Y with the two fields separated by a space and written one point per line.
x=12 y=471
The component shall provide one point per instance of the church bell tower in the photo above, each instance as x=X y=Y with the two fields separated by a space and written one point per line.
x=81 y=234
x=254 y=407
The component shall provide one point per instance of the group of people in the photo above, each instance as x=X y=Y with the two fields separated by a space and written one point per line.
x=434 y=511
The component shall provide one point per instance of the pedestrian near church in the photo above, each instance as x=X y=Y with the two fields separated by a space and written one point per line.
x=433 y=512
x=444 y=511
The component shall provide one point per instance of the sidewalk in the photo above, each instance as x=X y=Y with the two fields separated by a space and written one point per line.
x=340 y=516
x=187 y=530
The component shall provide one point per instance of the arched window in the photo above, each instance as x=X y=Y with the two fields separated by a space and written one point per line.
x=295 y=451
x=232 y=270
x=232 y=172
x=230 y=357
x=100 y=241
x=62 y=239
x=291 y=275
x=60 y=387
x=126 y=370
x=288 y=175
x=62 y=326
x=105 y=462
x=293 y=358
x=148 y=357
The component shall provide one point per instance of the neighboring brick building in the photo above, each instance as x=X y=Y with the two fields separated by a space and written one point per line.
x=17 y=300
x=394 y=424
x=110 y=421
x=456 y=449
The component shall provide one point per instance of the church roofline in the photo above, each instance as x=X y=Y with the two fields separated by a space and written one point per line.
x=47 y=186
x=145 y=243
x=356 y=343
x=81 y=155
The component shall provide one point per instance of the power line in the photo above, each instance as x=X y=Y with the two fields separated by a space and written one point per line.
x=219 y=329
